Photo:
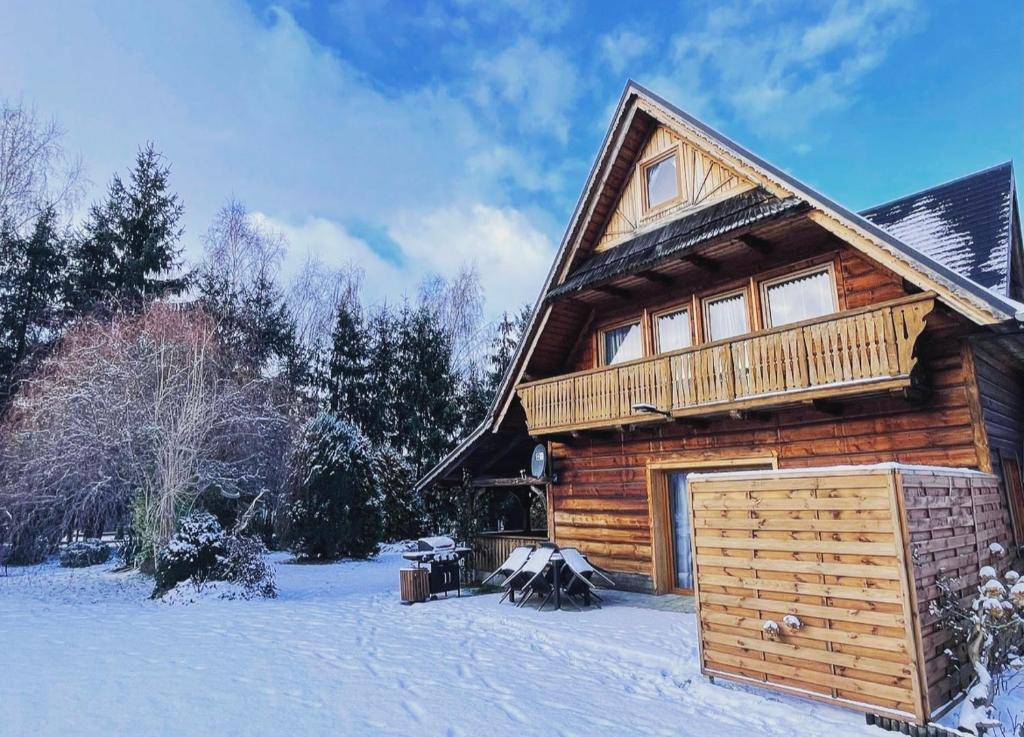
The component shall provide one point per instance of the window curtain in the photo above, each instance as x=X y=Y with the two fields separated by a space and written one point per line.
x=727 y=317
x=674 y=331
x=622 y=344
x=801 y=298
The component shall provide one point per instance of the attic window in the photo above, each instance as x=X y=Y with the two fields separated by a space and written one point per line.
x=661 y=178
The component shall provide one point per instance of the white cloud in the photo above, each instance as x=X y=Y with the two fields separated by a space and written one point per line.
x=254 y=107
x=777 y=66
x=512 y=256
x=623 y=48
x=538 y=83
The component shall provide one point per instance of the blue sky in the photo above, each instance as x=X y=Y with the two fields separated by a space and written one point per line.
x=414 y=137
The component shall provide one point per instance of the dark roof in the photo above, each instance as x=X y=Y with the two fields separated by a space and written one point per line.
x=964 y=224
x=649 y=248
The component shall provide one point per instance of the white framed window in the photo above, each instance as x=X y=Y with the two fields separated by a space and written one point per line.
x=726 y=316
x=661 y=180
x=623 y=343
x=801 y=296
x=672 y=330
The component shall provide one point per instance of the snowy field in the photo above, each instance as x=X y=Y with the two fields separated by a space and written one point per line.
x=83 y=652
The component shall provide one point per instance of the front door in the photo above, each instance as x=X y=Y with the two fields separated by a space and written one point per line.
x=682 y=533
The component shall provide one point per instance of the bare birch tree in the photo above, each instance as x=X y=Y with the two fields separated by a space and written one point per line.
x=35 y=170
x=129 y=423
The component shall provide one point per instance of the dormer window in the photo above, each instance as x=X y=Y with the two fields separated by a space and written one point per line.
x=661 y=181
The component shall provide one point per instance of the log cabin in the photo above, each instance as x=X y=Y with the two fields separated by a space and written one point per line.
x=745 y=392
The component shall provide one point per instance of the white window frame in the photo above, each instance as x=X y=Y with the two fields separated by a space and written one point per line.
x=766 y=284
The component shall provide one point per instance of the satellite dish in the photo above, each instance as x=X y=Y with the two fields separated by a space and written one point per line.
x=539 y=461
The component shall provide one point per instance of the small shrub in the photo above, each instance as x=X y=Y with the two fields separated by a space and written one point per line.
x=84 y=553
x=194 y=552
x=246 y=566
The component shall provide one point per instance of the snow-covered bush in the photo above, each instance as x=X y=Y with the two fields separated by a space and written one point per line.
x=193 y=552
x=84 y=553
x=201 y=552
x=246 y=566
x=334 y=512
x=988 y=640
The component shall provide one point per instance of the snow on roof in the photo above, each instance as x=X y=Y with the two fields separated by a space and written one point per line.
x=964 y=224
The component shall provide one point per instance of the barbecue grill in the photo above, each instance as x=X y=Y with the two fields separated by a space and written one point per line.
x=443 y=560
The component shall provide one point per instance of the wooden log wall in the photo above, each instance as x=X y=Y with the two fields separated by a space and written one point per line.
x=952 y=518
x=601 y=501
x=827 y=547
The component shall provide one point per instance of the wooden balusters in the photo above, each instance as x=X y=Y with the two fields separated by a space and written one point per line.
x=866 y=346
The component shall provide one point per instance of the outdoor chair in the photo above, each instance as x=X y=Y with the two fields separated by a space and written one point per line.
x=516 y=560
x=578 y=574
x=532 y=578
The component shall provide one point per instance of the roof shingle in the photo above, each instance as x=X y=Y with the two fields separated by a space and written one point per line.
x=963 y=224
x=649 y=248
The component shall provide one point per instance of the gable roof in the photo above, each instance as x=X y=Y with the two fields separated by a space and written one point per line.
x=965 y=224
x=963 y=294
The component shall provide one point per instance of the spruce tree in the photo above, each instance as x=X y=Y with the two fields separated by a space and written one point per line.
x=33 y=270
x=129 y=250
x=346 y=379
x=383 y=379
x=429 y=411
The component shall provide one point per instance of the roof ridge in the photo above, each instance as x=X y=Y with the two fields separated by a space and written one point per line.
x=1007 y=164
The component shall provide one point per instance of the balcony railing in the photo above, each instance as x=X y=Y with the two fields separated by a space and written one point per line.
x=854 y=352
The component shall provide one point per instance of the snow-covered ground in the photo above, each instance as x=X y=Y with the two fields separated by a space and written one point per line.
x=84 y=652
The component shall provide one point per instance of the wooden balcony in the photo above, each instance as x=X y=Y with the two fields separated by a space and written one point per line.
x=855 y=352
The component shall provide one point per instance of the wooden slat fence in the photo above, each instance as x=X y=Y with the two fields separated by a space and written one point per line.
x=490 y=551
x=827 y=547
x=861 y=349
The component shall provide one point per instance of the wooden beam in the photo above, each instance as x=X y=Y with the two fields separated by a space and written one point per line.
x=756 y=243
x=655 y=277
x=702 y=262
x=487 y=481
x=614 y=291
x=747 y=414
x=829 y=408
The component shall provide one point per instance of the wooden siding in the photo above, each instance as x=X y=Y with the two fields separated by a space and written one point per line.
x=601 y=499
x=826 y=546
x=951 y=520
x=704 y=181
x=850 y=352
